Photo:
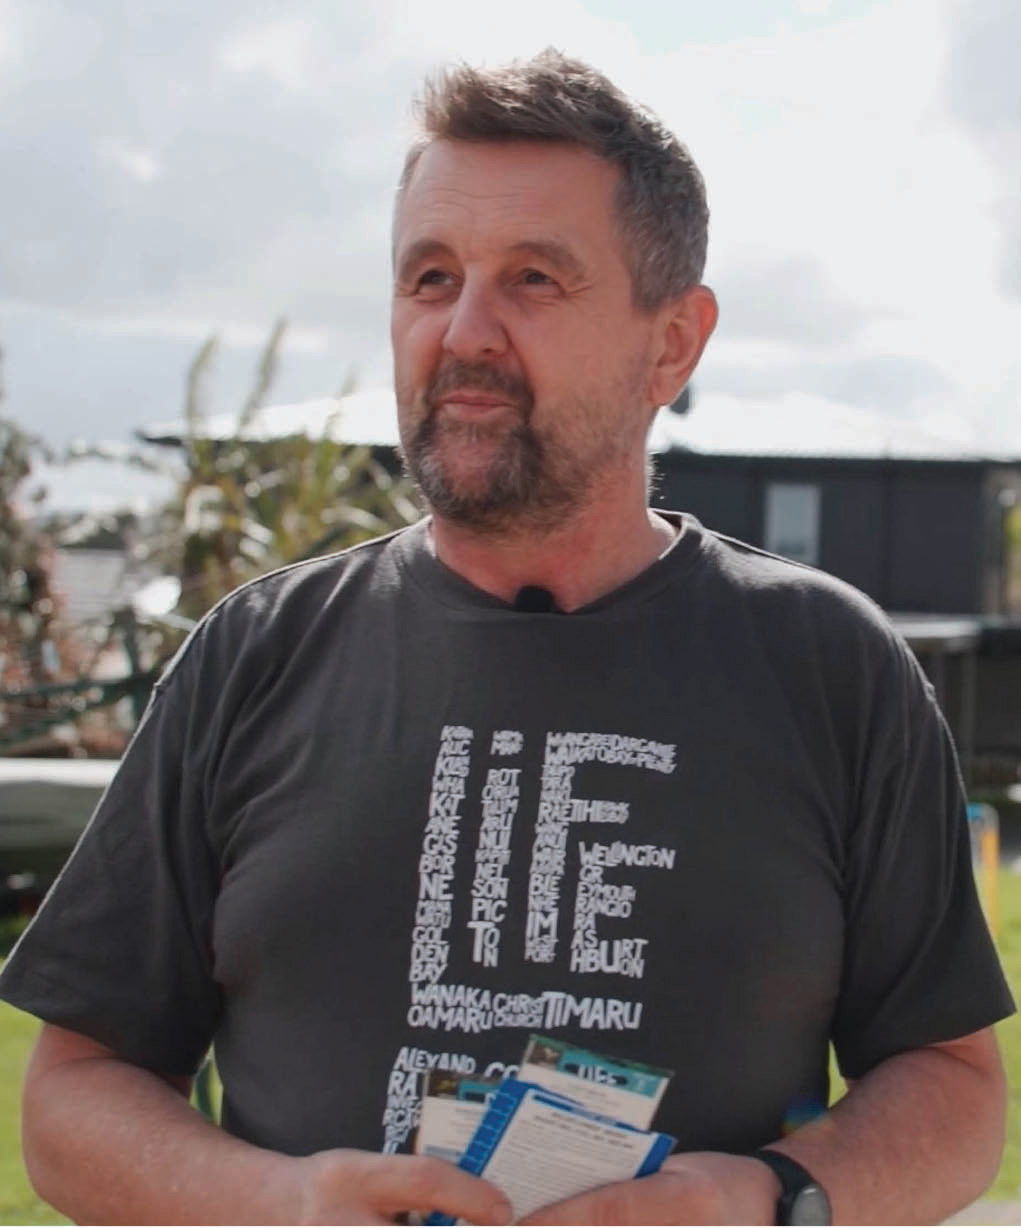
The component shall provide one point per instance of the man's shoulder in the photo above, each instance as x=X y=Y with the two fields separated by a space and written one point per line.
x=791 y=599
x=759 y=571
x=311 y=581
x=266 y=616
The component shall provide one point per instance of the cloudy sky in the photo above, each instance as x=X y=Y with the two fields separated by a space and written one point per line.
x=172 y=168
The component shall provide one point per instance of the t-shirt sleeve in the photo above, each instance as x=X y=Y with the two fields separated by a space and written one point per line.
x=120 y=950
x=919 y=964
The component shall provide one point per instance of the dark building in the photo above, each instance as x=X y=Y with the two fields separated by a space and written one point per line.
x=928 y=536
x=933 y=536
x=914 y=520
x=899 y=513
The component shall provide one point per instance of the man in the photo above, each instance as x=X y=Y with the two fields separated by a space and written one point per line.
x=547 y=761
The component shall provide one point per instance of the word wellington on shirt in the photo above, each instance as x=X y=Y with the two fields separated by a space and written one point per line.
x=551 y=929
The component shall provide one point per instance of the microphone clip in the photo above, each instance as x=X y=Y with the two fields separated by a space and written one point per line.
x=531 y=599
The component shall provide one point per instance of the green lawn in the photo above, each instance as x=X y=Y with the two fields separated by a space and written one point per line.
x=18 y=1205
x=1008 y=1183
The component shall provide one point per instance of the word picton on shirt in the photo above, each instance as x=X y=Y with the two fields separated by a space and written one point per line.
x=443 y=1006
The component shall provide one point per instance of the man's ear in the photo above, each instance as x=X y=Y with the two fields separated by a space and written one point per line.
x=686 y=324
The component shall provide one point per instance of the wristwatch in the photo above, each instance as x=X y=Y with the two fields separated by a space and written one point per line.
x=802 y=1199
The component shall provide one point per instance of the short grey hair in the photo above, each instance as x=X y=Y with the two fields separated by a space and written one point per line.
x=661 y=201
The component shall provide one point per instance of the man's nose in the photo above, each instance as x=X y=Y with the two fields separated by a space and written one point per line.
x=475 y=327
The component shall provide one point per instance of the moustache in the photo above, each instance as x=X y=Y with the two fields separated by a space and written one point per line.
x=455 y=374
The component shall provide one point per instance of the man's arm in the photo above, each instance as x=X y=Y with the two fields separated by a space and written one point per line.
x=107 y=1142
x=916 y=1139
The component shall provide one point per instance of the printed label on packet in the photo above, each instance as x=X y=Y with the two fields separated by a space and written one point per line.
x=452 y=1106
x=539 y=1148
x=616 y=1087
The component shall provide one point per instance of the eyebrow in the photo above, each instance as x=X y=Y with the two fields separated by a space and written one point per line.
x=419 y=251
x=552 y=251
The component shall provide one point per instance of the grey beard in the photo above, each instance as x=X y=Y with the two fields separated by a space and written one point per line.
x=519 y=490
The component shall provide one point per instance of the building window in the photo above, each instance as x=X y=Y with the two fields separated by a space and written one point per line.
x=792 y=521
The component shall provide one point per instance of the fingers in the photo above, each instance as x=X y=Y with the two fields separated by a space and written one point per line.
x=404 y=1183
x=609 y=1204
x=585 y=1208
x=646 y=1200
x=570 y=1211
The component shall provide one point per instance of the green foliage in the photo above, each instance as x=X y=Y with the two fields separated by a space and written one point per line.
x=20 y=547
x=249 y=504
x=1008 y=1182
x=11 y=929
x=18 y=1202
x=27 y=606
x=244 y=505
x=1012 y=550
x=42 y=658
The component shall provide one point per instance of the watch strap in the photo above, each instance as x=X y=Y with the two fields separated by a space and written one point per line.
x=794 y=1178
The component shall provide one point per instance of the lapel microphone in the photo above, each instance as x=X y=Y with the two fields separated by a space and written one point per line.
x=535 y=600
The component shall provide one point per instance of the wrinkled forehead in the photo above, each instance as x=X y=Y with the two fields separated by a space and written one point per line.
x=467 y=192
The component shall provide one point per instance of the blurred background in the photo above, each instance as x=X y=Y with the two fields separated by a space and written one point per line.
x=195 y=206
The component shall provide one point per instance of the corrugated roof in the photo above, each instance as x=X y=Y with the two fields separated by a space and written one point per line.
x=796 y=426
x=805 y=426
x=368 y=417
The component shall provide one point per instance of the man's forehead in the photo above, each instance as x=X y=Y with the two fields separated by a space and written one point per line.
x=520 y=165
x=533 y=191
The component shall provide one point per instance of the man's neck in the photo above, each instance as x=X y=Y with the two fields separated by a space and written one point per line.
x=579 y=561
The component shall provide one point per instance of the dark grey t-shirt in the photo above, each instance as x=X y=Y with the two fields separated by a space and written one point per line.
x=376 y=820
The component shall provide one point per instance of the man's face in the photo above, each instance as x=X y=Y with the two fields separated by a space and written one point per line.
x=521 y=366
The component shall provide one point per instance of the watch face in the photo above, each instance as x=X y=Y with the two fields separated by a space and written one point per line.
x=811 y=1206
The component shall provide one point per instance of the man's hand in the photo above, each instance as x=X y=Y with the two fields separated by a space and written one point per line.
x=358 y=1187
x=88 y=1112
x=913 y=1141
x=697 y=1187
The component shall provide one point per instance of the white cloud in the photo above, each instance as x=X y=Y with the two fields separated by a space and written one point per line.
x=786 y=297
x=7 y=29
x=831 y=148
x=285 y=50
x=197 y=329
x=446 y=30
x=984 y=91
x=137 y=163
x=819 y=141
x=855 y=231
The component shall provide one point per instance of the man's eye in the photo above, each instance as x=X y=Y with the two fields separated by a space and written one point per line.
x=535 y=277
x=433 y=277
